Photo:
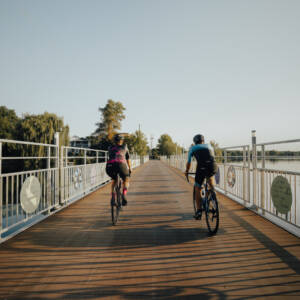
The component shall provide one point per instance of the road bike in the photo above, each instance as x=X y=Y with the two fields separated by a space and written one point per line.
x=209 y=205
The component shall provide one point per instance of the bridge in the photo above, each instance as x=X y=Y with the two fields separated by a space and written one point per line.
x=157 y=250
x=57 y=240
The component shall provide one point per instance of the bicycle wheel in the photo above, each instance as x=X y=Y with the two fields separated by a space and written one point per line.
x=194 y=200
x=115 y=207
x=212 y=212
x=114 y=212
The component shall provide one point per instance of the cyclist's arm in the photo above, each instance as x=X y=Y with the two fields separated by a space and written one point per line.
x=128 y=161
x=188 y=164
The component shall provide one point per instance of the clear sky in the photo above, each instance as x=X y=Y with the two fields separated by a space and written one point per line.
x=220 y=68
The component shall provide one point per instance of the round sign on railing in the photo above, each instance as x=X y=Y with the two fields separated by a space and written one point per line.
x=281 y=194
x=77 y=178
x=30 y=194
x=231 y=176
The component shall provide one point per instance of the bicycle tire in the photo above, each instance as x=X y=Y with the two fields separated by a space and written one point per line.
x=115 y=209
x=212 y=213
x=114 y=213
x=194 y=200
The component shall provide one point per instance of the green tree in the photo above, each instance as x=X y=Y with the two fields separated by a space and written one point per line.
x=111 y=116
x=140 y=143
x=137 y=142
x=217 y=150
x=9 y=124
x=154 y=153
x=41 y=129
x=165 y=145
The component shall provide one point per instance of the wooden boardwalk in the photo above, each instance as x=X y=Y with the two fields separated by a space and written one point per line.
x=157 y=250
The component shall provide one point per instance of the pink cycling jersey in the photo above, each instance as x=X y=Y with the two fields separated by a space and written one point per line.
x=118 y=154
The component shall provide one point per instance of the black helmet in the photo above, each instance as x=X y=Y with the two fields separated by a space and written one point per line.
x=118 y=138
x=198 y=139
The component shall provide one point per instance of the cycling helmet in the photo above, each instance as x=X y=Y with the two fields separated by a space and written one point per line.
x=118 y=138
x=198 y=138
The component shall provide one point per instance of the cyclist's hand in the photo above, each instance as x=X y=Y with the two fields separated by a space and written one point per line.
x=186 y=173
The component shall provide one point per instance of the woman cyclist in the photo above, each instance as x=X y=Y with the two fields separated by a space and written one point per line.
x=119 y=163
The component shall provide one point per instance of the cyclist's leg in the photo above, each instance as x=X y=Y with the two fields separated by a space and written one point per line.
x=199 y=179
x=112 y=172
x=124 y=174
x=211 y=182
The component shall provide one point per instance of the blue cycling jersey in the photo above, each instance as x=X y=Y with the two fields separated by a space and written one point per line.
x=198 y=148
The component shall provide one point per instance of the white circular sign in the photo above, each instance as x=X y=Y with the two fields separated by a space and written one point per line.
x=30 y=194
x=77 y=178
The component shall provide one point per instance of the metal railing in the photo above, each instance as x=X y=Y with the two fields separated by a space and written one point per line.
x=32 y=187
x=243 y=175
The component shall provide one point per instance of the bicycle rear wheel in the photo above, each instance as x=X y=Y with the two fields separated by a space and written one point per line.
x=212 y=213
x=114 y=212
x=116 y=206
x=194 y=200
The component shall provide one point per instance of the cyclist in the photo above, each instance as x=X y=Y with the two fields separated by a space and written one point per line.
x=119 y=163
x=206 y=168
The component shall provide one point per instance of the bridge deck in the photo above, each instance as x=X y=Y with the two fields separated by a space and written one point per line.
x=156 y=251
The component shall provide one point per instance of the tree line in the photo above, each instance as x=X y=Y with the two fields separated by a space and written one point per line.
x=41 y=128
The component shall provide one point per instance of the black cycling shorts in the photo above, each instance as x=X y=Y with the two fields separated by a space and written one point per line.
x=201 y=174
x=112 y=169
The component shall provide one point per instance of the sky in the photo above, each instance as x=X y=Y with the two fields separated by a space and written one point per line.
x=219 y=68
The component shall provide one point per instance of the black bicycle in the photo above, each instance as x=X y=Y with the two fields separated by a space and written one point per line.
x=209 y=205
x=116 y=203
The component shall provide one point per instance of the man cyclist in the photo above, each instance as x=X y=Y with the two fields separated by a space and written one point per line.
x=206 y=168
x=119 y=163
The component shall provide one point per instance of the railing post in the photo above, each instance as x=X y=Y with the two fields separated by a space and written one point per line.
x=85 y=171
x=254 y=165
x=62 y=176
x=49 y=188
x=225 y=162
x=262 y=189
x=57 y=169
x=244 y=174
x=249 y=180
x=1 y=191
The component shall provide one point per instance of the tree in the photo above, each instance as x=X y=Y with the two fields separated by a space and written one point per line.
x=9 y=123
x=111 y=117
x=154 y=153
x=138 y=143
x=31 y=128
x=165 y=145
x=41 y=129
x=217 y=150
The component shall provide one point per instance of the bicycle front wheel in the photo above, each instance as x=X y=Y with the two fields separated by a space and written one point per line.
x=212 y=213
x=114 y=212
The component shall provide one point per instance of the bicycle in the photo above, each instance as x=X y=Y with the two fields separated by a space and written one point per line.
x=209 y=206
x=116 y=204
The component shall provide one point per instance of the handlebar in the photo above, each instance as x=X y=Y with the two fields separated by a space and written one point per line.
x=187 y=175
